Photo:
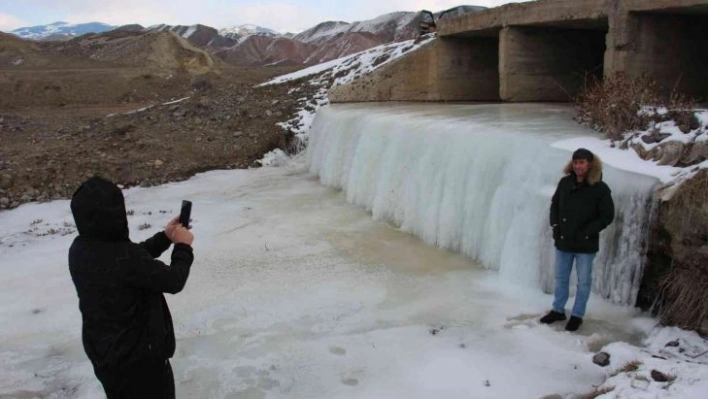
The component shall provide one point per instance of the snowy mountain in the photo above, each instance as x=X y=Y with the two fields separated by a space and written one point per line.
x=253 y=45
x=199 y=35
x=247 y=30
x=61 y=30
x=389 y=27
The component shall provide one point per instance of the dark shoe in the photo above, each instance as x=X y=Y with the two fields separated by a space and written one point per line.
x=574 y=323
x=552 y=317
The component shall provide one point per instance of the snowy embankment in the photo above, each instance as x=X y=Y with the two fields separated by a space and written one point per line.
x=673 y=147
x=338 y=72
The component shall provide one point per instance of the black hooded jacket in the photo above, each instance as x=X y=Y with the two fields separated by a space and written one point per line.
x=120 y=284
x=580 y=211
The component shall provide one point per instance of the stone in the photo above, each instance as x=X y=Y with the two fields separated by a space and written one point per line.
x=649 y=139
x=237 y=134
x=669 y=153
x=6 y=181
x=158 y=163
x=4 y=201
x=551 y=396
x=602 y=359
x=697 y=154
x=268 y=112
x=658 y=376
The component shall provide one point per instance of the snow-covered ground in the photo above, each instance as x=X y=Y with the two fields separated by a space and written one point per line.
x=296 y=293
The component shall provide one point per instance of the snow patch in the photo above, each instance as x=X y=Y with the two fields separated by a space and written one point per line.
x=276 y=157
x=189 y=32
x=671 y=364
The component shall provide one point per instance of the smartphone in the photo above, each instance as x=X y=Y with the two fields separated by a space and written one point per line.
x=185 y=213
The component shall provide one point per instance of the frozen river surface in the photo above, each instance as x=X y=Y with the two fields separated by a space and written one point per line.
x=296 y=293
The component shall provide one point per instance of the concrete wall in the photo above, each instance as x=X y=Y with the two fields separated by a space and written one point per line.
x=526 y=13
x=445 y=70
x=540 y=64
x=672 y=49
x=411 y=78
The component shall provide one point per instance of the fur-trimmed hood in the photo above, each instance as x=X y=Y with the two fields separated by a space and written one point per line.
x=595 y=172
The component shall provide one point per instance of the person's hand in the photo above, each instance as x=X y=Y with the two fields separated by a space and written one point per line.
x=180 y=235
x=556 y=232
x=170 y=228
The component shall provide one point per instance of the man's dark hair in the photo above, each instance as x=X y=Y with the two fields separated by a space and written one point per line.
x=582 y=153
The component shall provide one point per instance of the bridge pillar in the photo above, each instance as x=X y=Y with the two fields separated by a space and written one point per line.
x=449 y=69
x=669 y=47
x=468 y=69
x=547 y=64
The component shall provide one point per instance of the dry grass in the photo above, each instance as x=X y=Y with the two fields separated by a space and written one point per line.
x=628 y=368
x=612 y=105
x=597 y=392
x=684 y=297
x=683 y=291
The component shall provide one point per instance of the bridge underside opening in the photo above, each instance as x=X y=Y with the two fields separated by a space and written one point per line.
x=550 y=62
x=469 y=67
x=671 y=47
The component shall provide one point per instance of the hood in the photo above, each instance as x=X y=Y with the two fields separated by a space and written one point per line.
x=595 y=172
x=99 y=210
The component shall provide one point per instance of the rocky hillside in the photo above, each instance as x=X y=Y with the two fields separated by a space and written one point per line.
x=251 y=45
x=256 y=46
x=137 y=108
x=324 y=42
x=113 y=67
x=200 y=35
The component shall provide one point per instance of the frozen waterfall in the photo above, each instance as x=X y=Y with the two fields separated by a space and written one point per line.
x=477 y=179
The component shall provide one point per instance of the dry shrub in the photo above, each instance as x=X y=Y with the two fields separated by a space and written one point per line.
x=684 y=297
x=597 y=392
x=612 y=105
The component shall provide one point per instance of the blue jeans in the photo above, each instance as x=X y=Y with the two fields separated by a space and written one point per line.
x=564 y=265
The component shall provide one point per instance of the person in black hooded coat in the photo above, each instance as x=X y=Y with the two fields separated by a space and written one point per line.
x=127 y=328
x=581 y=208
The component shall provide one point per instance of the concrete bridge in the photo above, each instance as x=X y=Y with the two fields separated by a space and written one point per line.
x=545 y=50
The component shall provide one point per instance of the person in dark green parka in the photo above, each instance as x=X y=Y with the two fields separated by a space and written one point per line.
x=581 y=208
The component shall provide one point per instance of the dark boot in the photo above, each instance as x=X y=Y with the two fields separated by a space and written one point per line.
x=552 y=317
x=574 y=323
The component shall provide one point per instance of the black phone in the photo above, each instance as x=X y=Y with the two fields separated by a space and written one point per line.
x=185 y=213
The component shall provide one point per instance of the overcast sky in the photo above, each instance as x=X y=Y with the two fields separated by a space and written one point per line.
x=280 y=15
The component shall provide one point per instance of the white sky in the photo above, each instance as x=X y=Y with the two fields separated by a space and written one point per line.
x=280 y=15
